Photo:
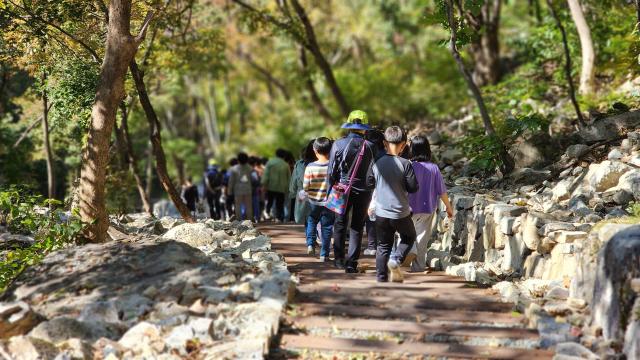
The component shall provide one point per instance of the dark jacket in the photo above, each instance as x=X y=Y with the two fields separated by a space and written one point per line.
x=344 y=154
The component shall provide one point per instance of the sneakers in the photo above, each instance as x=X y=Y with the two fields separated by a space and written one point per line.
x=394 y=270
x=351 y=270
x=409 y=259
x=324 y=258
x=370 y=252
x=338 y=263
x=311 y=250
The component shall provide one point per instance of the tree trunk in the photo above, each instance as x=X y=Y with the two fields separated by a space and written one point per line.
x=120 y=49
x=534 y=10
x=485 y=48
x=313 y=46
x=149 y=172
x=132 y=160
x=567 y=64
x=638 y=13
x=51 y=180
x=587 y=74
x=229 y=104
x=156 y=141
x=507 y=163
x=315 y=98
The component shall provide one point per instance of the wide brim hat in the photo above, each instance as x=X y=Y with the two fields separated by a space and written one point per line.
x=358 y=120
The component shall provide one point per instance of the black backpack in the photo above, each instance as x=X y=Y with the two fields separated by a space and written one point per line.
x=214 y=178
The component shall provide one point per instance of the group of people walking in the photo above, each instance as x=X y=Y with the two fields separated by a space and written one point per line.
x=369 y=179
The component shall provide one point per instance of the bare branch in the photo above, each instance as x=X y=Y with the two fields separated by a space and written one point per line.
x=145 y=26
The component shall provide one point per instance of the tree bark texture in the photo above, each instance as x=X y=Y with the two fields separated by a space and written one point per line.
x=51 y=180
x=587 y=73
x=567 y=63
x=156 y=141
x=120 y=49
x=507 y=161
x=485 y=48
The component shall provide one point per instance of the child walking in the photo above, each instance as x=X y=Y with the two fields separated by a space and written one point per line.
x=317 y=188
x=424 y=202
x=394 y=179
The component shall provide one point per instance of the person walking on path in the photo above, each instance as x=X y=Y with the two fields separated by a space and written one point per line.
x=228 y=198
x=241 y=187
x=213 y=190
x=296 y=191
x=424 y=202
x=190 y=195
x=342 y=159
x=377 y=138
x=276 y=183
x=256 y=194
x=317 y=188
x=393 y=178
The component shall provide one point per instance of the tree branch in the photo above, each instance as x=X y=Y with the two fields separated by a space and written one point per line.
x=145 y=26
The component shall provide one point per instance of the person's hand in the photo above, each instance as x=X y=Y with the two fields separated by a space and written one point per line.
x=450 y=213
x=371 y=211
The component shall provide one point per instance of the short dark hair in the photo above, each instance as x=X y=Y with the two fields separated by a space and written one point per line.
x=243 y=158
x=376 y=137
x=322 y=145
x=419 y=148
x=281 y=153
x=395 y=135
x=307 y=155
x=233 y=162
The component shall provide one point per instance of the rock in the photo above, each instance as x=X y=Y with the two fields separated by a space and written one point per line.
x=28 y=348
x=507 y=225
x=450 y=156
x=557 y=293
x=533 y=266
x=552 y=332
x=562 y=263
x=475 y=246
x=434 y=138
x=632 y=334
x=630 y=182
x=104 y=311
x=515 y=252
x=548 y=228
x=557 y=308
x=576 y=151
x=75 y=349
x=615 y=154
x=566 y=237
x=197 y=234
x=576 y=303
x=214 y=294
x=17 y=318
x=508 y=291
x=618 y=264
x=462 y=202
x=62 y=328
x=574 y=350
x=202 y=328
x=610 y=127
x=165 y=208
x=140 y=333
x=562 y=190
x=529 y=176
x=166 y=310
x=604 y=175
x=12 y=241
x=178 y=337
x=226 y=279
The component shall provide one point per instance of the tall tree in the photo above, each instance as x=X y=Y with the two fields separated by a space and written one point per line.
x=51 y=179
x=121 y=47
x=483 y=17
x=567 y=62
x=507 y=163
x=587 y=74
x=156 y=142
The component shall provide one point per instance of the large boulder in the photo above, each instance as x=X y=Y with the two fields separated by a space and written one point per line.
x=613 y=296
x=610 y=127
x=604 y=175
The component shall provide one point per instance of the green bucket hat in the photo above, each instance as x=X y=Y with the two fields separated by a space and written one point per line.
x=357 y=120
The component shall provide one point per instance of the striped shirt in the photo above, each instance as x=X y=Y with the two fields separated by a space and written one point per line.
x=315 y=182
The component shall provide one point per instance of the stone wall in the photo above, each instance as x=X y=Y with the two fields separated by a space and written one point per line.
x=166 y=291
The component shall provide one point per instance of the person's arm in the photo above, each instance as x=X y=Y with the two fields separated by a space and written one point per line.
x=293 y=182
x=333 y=175
x=232 y=183
x=410 y=180
x=445 y=199
x=306 y=179
x=266 y=176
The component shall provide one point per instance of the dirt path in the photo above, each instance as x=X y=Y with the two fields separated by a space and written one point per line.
x=429 y=315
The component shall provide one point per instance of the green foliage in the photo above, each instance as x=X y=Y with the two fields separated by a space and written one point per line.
x=483 y=150
x=634 y=209
x=49 y=226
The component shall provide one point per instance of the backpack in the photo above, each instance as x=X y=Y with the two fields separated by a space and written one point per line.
x=214 y=178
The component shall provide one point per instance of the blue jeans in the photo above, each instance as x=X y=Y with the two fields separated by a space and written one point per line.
x=324 y=216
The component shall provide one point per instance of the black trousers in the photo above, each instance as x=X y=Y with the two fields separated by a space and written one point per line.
x=277 y=199
x=215 y=207
x=372 y=241
x=357 y=207
x=385 y=232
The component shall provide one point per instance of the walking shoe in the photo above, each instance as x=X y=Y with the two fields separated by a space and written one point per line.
x=409 y=259
x=394 y=270
x=338 y=263
x=311 y=250
x=324 y=258
x=351 y=270
x=370 y=252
